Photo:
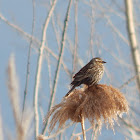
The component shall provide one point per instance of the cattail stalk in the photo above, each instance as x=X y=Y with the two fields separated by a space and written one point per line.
x=39 y=67
x=60 y=58
x=133 y=38
x=83 y=126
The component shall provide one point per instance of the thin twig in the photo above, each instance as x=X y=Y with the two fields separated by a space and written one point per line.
x=58 y=40
x=71 y=137
x=58 y=132
x=54 y=24
x=128 y=124
x=49 y=70
x=17 y=28
x=135 y=110
x=92 y=30
x=78 y=134
x=79 y=60
x=59 y=63
x=96 y=132
x=109 y=22
x=128 y=81
x=28 y=60
x=83 y=127
x=56 y=57
x=28 y=36
x=76 y=38
x=116 y=30
x=39 y=66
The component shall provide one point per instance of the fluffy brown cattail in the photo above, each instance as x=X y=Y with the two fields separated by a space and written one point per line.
x=97 y=103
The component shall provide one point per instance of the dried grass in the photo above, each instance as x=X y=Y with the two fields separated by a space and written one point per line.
x=22 y=129
x=96 y=104
x=13 y=87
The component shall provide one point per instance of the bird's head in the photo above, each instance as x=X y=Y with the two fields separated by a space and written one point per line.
x=98 y=60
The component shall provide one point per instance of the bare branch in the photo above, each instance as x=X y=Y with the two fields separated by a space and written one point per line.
x=81 y=133
x=133 y=38
x=28 y=60
x=128 y=124
x=128 y=81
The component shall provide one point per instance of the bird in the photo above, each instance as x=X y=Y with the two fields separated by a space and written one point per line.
x=89 y=75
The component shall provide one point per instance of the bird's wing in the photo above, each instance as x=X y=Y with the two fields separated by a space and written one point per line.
x=83 y=71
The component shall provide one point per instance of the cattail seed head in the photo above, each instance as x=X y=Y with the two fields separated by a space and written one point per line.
x=97 y=103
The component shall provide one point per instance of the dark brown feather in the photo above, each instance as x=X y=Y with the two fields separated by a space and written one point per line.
x=89 y=75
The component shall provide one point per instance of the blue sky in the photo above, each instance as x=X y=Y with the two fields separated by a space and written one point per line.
x=106 y=44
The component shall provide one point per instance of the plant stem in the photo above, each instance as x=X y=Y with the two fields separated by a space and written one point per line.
x=83 y=127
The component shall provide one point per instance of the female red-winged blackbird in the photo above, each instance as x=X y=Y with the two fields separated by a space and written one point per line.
x=89 y=75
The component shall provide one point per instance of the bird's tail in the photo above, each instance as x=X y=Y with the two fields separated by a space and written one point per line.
x=70 y=91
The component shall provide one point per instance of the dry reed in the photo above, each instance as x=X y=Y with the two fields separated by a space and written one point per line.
x=23 y=130
x=96 y=104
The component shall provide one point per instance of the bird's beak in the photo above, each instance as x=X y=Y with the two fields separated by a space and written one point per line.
x=103 y=62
